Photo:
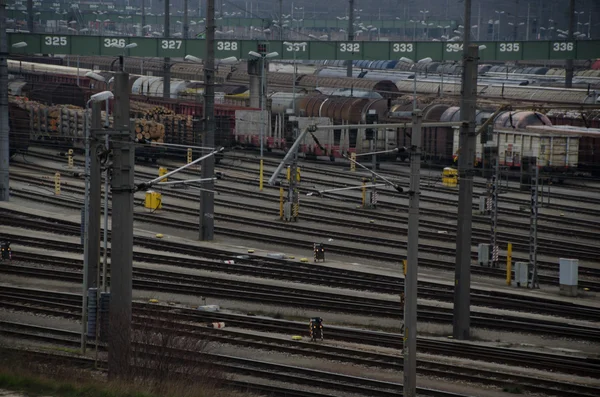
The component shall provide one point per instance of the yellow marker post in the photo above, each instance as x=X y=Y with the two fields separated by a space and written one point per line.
x=57 y=183
x=189 y=155
x=404 y=266
x=260 y=176
x=162 y=171
x=70 y=158
x=509 y=264
x=352 y=163
x=298 y=174
x=289 y=172
x=281 y=203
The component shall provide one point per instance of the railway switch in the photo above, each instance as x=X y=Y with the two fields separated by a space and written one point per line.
x=319 y=251
x=316 y=328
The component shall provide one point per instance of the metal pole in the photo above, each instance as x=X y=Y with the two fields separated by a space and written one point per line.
x=105 y=235
x=495 y=188
x=167 y=61
x=92 y=216
x=95 y=195
x=478 y=21
x=29 y=17
x=105 y=231
x=186 y=26
x=569 y=63
x=411 y=278
x=86 y=226
x=516 y=24
x=374 y=168
x=350 y=35
x=207 y=204
x=143 y=18
x=533 y=282
x=119 y=348
x=527 y=31
x=462 y=284
x=4 y=129
x=294 y=84
x=280 y=19
x=262 y=120
x=415 y=88
x=442 y=85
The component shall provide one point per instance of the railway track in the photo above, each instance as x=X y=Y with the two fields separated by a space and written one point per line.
x=331 y=277
x=260 y=369
x=42 y=301
x=404 y=177
x=581 y=226
x=177 y=283
x=481 y=235
x=358 y=357
x=293 y=271
x=583 y=250
x=401 y=170
x=319 y=233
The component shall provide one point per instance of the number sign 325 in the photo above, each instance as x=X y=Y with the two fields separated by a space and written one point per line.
x=55 y=41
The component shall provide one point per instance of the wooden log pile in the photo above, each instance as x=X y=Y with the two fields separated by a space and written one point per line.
x=67 y=122
x=178 y=128
x=151 y=123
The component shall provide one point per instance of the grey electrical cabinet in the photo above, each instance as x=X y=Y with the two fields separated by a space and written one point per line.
x=483 y=254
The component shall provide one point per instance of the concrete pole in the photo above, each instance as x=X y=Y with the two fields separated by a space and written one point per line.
x=350 y=35
x=119 y=348
x=467 y=137
x=569 y=64
x=207 y=204
x=186 y=26
x=4 y=129
x=462 y=284
x=29 y=16
x=412 y=259
x=167 y=61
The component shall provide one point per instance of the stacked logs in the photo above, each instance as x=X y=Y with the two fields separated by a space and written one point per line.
x=151 y=123
x=177 y=128
x=146 y=130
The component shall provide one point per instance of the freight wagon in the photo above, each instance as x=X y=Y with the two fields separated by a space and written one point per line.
x=556 y=149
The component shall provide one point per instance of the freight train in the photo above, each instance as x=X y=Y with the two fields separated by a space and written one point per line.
x=388 y=84
x=352 y=107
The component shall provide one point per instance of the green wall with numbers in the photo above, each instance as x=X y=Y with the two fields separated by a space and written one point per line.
x=312 y=50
